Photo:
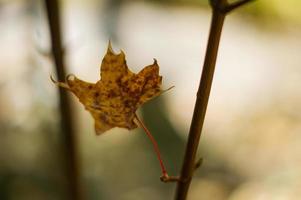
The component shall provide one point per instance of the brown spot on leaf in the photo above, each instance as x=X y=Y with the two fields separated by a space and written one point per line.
x=96 y=94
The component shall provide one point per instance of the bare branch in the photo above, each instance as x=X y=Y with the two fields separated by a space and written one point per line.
x=218 y=5
x=69 y=142
x=201 y=103
x=220 y=10
x=235 y=5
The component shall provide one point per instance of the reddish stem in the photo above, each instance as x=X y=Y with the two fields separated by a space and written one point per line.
x=155 y=145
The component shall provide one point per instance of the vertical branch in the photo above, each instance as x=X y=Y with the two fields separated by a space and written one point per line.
x=220 y=8
x=69 y=139
x=200 y=106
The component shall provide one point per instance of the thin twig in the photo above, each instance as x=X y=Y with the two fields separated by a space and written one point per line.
x=201 y=103
x=236 y=4
x=69 y=139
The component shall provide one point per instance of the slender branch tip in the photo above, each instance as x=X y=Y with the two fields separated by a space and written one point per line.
x=235 y=5
x=225 y=7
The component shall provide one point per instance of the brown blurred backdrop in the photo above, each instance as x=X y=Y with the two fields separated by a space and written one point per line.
x=252 y=136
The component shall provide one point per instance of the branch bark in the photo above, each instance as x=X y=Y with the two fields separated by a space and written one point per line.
x=218 y=16
x=69 y=139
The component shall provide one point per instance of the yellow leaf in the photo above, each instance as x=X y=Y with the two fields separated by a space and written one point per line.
x=114 y=99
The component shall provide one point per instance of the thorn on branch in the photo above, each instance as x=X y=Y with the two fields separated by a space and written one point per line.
x=198 y=163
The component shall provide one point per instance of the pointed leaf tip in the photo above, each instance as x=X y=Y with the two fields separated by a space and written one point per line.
x=109 y=46
x=52 y=79
x=155 y=61
x=60 y=84
x=122 y=53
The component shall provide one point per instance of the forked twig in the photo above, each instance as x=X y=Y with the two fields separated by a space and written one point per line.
x=236 y=4
x=220 y=9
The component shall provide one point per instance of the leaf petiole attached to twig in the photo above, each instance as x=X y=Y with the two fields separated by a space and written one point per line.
x=165 y=177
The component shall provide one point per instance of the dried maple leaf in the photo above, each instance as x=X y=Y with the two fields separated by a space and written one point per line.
x=114 y=99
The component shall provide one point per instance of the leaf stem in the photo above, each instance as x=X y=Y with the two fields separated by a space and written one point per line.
x=155 y=145
x=165 y=177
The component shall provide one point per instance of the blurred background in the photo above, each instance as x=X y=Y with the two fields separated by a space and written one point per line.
x=251 y=142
